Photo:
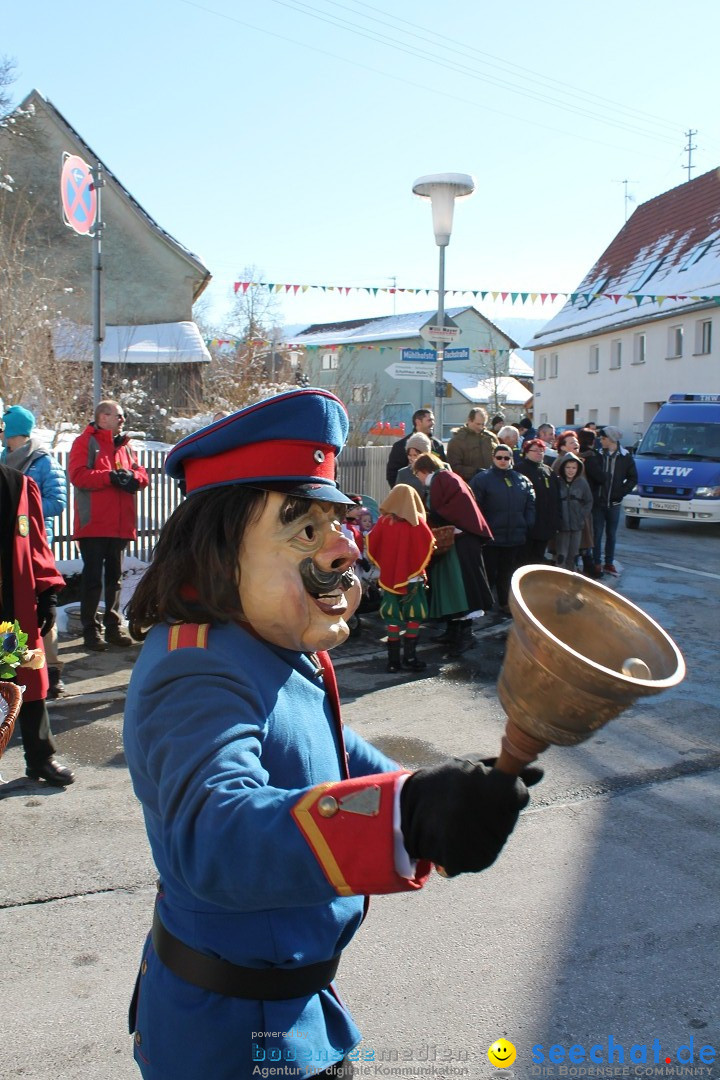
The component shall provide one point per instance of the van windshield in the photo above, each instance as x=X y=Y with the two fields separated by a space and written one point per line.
x=666 y=439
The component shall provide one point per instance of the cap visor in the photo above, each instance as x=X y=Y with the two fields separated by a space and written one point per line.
x=315 y=492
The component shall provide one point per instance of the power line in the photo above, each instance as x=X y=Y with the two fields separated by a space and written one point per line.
x=396 y=78
x=432 y=58
x=434 y=37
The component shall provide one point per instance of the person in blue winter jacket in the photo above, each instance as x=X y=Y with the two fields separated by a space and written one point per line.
x=269 y=822
x=24 y=452
x=507 y=500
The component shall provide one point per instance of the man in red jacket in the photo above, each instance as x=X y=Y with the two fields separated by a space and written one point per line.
x=106 y=476
x=29 y=584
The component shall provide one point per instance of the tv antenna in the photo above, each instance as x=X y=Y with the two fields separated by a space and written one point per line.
x=629 y=197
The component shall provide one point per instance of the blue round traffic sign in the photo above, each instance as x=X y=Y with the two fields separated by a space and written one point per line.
x=78 y=195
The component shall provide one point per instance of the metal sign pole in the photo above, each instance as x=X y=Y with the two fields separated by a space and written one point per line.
x=440 y=351
x=97 y=288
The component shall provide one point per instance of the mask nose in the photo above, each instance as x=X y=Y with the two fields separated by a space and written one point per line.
x=337 y=553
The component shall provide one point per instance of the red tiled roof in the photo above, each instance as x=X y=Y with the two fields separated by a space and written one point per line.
x=674 y=222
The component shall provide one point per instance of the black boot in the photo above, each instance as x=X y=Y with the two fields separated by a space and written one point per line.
x=464 y=639
x=410 y=661
x=57 y=687
x=447 y=636
x=588 y=564
x=393 y=664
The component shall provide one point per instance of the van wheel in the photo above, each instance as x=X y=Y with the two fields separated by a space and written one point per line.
x=632 y=522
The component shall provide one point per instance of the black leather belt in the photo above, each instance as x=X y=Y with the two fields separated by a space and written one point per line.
x=232 y=980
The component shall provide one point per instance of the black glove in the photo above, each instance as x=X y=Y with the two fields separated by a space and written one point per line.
x=46 y=611
x=459 y=814
x=125 y=480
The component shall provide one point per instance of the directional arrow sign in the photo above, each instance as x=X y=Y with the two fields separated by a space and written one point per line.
x=411 y=371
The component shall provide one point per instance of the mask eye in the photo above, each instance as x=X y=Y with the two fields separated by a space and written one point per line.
x=309 y=531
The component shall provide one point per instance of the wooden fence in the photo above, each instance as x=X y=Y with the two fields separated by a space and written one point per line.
x=361 y=469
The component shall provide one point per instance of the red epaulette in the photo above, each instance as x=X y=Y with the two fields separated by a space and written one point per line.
x=349 y=827
x=188 y=636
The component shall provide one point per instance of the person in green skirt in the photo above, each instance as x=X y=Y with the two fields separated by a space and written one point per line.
x=401 y=545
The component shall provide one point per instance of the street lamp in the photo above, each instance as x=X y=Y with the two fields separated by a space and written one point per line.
x=442 y=189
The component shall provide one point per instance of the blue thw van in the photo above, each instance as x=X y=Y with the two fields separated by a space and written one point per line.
x=678 y=463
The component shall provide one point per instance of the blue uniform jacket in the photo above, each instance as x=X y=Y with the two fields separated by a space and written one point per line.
x=221 y=743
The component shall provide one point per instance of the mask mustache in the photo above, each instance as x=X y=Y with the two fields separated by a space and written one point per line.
x=318 y=582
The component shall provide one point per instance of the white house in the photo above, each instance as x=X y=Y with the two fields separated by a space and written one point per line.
x=643 y=323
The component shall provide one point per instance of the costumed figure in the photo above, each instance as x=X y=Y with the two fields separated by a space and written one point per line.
x=29 y=584
x=401 y=545
x=269 y=822
x=459 y=591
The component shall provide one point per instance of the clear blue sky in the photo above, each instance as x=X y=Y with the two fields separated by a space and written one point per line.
x=288 y=133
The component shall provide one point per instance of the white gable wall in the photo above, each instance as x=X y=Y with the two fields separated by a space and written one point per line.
x=629 y=395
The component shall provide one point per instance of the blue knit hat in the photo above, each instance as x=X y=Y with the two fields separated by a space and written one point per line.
x=18 y=421
x=287 y=443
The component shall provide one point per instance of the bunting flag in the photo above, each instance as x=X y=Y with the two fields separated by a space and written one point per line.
x=482 y=294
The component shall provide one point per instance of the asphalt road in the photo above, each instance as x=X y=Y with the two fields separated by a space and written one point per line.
x=597 y=929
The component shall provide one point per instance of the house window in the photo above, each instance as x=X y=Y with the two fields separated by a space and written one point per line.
x=541 y=367
x=594 y=362
x=703 y=336
x=616 y=354
x=329 y=361
x=361 y=394
x=675 y=342
x=553 y=365
x=639 y=349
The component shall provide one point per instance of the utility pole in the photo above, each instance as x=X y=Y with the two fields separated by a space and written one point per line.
x=628 y=198
x=689 y=149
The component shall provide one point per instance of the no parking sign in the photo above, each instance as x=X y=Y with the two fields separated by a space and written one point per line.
x=78 y=194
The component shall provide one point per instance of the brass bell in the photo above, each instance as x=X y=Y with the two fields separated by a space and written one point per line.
x=578 y=654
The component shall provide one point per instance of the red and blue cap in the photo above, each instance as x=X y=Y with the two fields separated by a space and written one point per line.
x=287 y=443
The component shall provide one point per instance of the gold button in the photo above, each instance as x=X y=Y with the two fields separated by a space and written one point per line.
x=138 y=1037
x=328 y=806
x=143 y=967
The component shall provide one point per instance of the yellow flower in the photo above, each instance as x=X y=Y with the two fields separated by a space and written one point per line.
x=5 y=627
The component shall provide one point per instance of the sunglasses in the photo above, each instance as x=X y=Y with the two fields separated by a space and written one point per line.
x=502 y=457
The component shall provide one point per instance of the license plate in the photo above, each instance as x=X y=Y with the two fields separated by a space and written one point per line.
x=662 y=504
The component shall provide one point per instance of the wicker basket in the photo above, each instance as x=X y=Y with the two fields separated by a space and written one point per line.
x=444 y=538
x=10 y=702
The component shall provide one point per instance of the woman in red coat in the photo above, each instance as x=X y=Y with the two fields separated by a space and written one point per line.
x=29 y=583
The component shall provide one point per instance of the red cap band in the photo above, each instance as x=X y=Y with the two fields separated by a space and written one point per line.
x=278 y=460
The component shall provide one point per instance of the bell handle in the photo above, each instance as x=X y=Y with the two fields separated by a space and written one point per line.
x=518 y=749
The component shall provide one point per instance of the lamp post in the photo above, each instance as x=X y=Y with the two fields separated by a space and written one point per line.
x=442 y=189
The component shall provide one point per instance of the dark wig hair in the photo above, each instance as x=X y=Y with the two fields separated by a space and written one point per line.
x=193 y=576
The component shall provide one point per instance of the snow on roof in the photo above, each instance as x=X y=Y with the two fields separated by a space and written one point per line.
x=482 y=391
x=385 y=328
x=668 y=249
x=519 y=367
x=152 y=343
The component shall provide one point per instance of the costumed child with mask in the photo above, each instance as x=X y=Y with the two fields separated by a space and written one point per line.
x=401 y=545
